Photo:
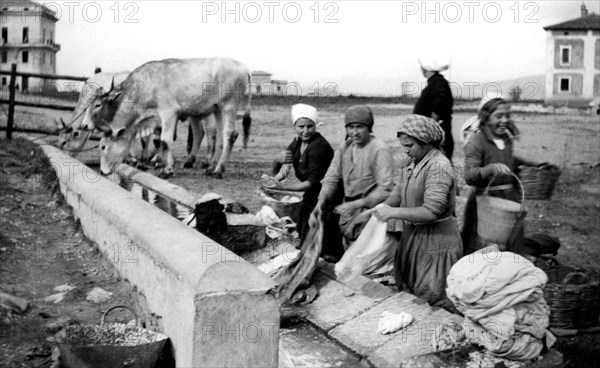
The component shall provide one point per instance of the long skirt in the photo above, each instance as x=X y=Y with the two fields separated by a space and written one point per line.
x=424 y=258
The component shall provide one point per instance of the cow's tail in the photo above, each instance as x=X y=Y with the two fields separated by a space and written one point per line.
x=247 y=120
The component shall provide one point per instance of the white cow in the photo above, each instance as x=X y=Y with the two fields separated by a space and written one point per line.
x=75 y=134
x=174 y=89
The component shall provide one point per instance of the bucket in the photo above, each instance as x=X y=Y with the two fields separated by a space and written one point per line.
x=497 y=218
x=109 y=345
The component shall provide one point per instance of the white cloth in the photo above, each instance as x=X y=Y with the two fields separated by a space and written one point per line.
x=304 y=111
x=390 y=322
x=501 y=296
x=372 y=253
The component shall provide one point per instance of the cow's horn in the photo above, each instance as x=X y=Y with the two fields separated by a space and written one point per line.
x=63 y=123
x=112 y=85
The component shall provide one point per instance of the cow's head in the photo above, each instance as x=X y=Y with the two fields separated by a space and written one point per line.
x=104 y=108
x=114 y=149
x=72 y=139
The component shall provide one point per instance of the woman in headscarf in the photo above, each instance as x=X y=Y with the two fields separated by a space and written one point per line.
x=473 y=125
x=489 y=153
x=310 y=155
x=361 y=171
x=436 y=99
x=424 y=199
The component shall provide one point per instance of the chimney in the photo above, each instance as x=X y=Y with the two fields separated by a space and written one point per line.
x=584 y=11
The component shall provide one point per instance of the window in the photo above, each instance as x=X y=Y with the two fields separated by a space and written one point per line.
x=43 y=59
x=4 y=57
x=44 y=35
x=565 y=55
x=4 y=35
x=25 y=34
x=565 y=84
x=25 y=56
x=4 y=81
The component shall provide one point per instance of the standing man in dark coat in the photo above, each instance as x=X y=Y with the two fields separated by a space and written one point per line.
x=436 y=100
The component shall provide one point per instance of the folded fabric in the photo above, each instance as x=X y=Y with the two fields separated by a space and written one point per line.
x=390 y=322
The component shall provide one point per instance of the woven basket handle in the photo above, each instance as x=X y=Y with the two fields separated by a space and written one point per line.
x=137 y=320
x=487 y=188
x=575 y=274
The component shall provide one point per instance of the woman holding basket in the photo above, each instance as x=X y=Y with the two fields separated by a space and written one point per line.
x=489 y=155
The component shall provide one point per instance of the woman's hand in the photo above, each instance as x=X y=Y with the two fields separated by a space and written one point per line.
x=496 y=169
x=284 y=157
x=346 y=209
x=316 y=215
x=383 y=212
x=271 y=185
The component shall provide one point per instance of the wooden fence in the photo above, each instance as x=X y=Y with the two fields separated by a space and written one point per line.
x=11 y=102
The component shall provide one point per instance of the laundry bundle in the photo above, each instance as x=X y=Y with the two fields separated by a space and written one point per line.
x=500 y=295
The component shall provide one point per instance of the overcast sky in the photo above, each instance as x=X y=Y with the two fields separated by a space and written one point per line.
x=369 y=47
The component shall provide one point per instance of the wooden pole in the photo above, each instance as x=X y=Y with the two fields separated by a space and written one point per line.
x=11 y=101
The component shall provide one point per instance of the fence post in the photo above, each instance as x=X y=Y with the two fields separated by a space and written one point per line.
x=11 y=101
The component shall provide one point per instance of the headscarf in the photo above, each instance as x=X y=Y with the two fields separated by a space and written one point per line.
x=473 y=124
x=300 y=111
x=423 y=128
x=359 y=114
x=433 y=64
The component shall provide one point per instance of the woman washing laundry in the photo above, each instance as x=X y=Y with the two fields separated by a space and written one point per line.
x=309 y=154
x=488 y=154
x=424 y=199
x=361 y=170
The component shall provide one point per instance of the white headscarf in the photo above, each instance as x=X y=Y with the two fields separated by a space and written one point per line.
x=433 y=64
x=304 y=111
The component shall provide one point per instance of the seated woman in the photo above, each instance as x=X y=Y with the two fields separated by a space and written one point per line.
x=361 y=170
x=310 y=155
x=489 y=153
x=424 y=199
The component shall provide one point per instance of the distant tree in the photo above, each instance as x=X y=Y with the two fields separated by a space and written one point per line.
x=515 y=93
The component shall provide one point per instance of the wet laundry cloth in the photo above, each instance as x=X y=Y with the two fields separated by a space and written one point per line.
x=500 y=295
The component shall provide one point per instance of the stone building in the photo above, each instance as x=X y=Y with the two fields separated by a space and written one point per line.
x=28 y=34
x=573 y=55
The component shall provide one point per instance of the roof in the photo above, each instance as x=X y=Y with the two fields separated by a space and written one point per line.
x=20 y=6
x=588 y=22
x=260 y=72
x=278 y=81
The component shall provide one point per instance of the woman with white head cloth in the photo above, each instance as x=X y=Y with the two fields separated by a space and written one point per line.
x=436 y=99
x=309 y=154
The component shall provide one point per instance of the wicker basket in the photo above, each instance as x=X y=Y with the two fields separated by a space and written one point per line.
x=573 y=295
x=272 y=198
x=539 y=182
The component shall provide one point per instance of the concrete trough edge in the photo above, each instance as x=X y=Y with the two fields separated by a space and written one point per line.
x=217 y=309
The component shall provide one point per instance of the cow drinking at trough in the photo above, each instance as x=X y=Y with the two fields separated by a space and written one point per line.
x=173 y=89
x=76 y=133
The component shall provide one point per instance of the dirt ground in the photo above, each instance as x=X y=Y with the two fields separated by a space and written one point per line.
x=34 y=220
x=41 y=247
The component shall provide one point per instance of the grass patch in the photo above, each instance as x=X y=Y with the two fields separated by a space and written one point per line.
x=27 y=158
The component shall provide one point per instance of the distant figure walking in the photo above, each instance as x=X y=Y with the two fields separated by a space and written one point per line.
x=436 y=100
